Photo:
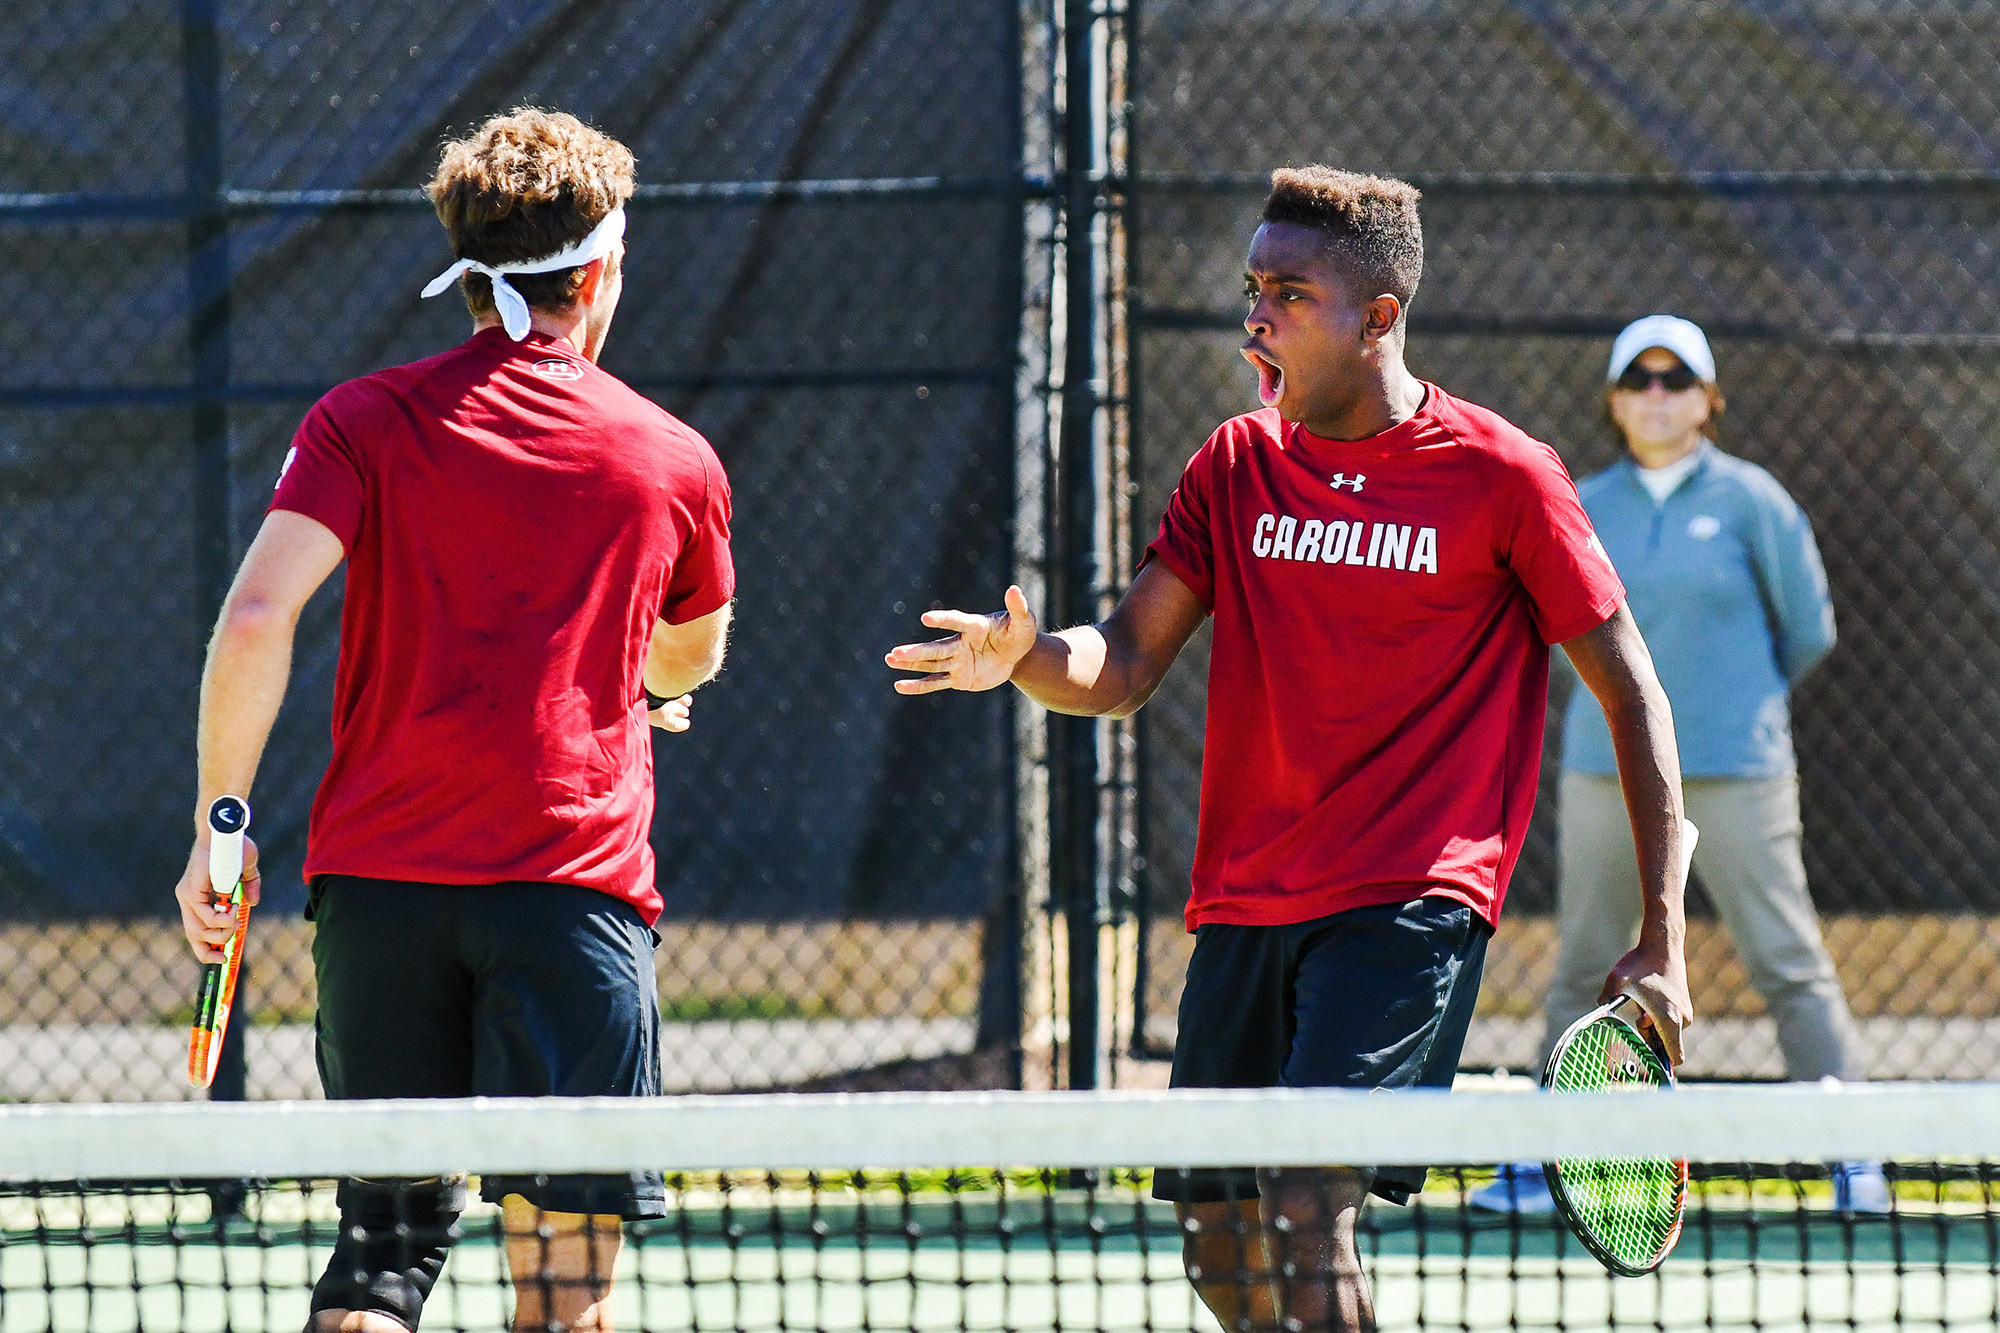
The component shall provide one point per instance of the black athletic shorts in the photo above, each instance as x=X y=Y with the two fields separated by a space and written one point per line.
x=1373 y=997
x=490 y=990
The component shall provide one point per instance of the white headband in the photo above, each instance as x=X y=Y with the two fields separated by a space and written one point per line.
x=514 y=310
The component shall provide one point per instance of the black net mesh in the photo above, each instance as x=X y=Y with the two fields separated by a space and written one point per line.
x=1761 y=1248
x=1766 y=1241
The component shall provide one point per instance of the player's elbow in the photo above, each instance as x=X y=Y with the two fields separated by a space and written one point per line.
x=1131 y=703
x=703 y=658
x=708 y=665
x=1136 y=685
x=1630 y=694
x=683 y=657
x=677 y=674
x=250 y=616
x=1636 y=711
x=1128 y=675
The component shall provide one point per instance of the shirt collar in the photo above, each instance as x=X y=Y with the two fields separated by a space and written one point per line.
x=1704 y=454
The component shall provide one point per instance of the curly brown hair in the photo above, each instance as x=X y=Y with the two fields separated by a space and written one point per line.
x=1370 y=223
x=522 y=186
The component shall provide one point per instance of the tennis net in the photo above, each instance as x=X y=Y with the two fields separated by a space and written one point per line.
x=1004 y=1211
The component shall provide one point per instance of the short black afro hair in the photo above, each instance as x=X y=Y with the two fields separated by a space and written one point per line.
x=1370 y=223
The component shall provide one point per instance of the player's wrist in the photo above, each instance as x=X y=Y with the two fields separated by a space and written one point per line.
x=1661 y=937
x=1659 y=958
x=1023 y=665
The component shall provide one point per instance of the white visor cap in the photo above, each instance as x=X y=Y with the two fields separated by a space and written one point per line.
x=513 y=309
x=1679 y=336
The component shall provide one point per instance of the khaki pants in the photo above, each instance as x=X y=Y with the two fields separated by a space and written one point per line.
x=1748 y=860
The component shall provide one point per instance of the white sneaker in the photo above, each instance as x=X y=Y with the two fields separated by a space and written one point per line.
x=1519 y=1188
x=1860 y=1187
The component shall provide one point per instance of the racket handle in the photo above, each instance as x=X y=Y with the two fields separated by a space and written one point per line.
x=204 y=1042
x=228 y=821
x=1690 y=835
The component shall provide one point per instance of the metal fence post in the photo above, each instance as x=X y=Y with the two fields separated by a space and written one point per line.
x=1136 y=881
x=208 y=362
x=1073 y=741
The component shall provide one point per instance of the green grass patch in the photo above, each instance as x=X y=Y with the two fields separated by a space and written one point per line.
x=756 y=1006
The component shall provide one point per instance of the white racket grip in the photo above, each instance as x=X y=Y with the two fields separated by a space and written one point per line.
x=228 y=821
x=1690 y=835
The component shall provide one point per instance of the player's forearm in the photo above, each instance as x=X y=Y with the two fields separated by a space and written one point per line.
x=242 y=686
x=1614 y=665
x=1078 y=671
x=1649 y=770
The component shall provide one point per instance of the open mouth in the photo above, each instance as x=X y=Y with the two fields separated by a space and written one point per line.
x=1270 y=377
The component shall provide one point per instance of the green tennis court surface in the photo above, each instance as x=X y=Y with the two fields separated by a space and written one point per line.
x=1048 y=1260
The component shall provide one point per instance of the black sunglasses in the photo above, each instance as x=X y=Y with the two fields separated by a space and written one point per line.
x=1638 y=379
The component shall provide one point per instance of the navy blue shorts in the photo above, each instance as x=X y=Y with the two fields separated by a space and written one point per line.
x=1373 y=997
x=490 y=990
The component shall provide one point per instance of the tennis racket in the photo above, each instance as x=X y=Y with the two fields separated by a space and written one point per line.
x=1626 y=1211
x=228 y=821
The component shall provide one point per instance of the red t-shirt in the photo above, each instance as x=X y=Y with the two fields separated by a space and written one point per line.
x=1383 y=610
x=515 y=521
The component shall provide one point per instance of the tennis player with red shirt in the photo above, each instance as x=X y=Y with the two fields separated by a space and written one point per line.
x=538 y=566
x=1387 y=566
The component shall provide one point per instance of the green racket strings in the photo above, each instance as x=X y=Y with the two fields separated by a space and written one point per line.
x=1629 y=1206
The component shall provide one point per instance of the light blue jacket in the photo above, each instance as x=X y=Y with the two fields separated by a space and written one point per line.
x=1727 y=586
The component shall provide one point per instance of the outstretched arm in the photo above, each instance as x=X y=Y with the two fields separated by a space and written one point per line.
x=1613 y=662
x=1091 y=671
x=249 y=663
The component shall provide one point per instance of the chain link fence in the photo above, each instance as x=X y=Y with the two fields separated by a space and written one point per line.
x=944 y=333
x=1816 y=183
x=211 y=212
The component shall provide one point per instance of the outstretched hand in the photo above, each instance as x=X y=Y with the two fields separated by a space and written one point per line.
x=980 y=654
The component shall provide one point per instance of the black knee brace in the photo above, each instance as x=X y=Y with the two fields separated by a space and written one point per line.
x=394 y=1235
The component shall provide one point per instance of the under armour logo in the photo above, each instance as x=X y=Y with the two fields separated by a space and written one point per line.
x=1341 y=479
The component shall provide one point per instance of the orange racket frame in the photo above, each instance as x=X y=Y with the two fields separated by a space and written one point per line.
x=228 y=820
